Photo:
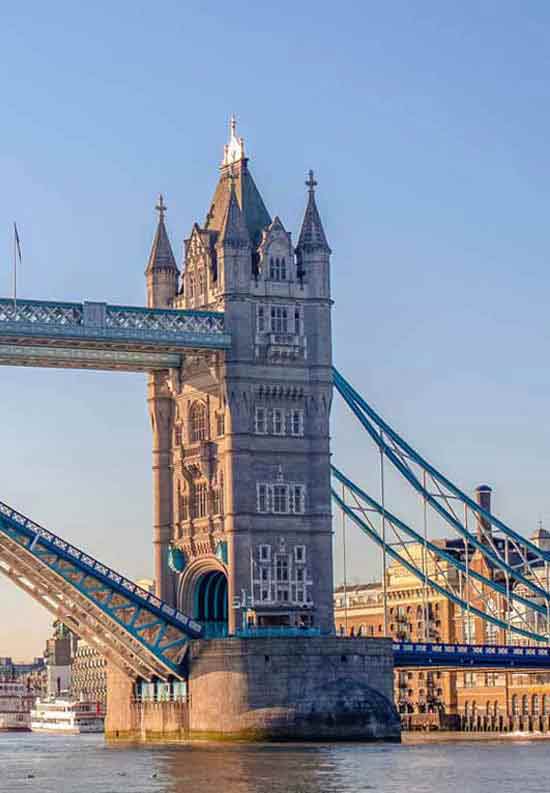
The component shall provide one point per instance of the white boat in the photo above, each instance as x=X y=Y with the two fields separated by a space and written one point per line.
x=15 y=706
x=67 y=717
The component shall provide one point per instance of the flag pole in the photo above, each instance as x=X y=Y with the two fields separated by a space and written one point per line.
x=14 y=270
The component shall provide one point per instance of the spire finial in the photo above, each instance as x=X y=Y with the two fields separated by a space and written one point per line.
x=161 y=207
x=311 y=183
x=234 y=150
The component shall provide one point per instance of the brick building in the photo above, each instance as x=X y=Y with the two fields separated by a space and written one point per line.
x=416 y=612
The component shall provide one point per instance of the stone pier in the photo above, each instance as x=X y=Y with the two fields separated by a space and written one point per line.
x=320 y=688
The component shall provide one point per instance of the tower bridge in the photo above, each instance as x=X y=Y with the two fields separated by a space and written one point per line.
x=238 y=352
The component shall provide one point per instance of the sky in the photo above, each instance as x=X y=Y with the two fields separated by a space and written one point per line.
x=427 y=125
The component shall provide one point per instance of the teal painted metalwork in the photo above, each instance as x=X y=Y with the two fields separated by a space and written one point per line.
x=158 y=628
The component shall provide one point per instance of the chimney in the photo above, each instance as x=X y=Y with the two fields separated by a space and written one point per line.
x=483 y=498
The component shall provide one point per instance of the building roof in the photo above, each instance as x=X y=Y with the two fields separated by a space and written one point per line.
x=235 y=168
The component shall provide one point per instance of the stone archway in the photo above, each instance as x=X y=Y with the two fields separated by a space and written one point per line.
x=203 y=592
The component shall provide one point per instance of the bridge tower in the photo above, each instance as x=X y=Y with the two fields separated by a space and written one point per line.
x=241 y=439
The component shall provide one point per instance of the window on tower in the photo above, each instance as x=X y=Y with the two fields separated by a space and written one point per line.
x=200 y=500
x=279 y=319
x=277 y=268
x=197 y=423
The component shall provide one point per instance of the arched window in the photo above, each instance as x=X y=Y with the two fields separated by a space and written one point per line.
x=515 y=705
x=525 y=705
x=474 y=708
x=197 y=422
x=495 y=708
x=546 y=704
x=467 y=708
x=191 y=286
x=535 y=704
x=488 y=708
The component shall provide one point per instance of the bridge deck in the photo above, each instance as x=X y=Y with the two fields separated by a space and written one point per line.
x=102 y=336
x=409 y=654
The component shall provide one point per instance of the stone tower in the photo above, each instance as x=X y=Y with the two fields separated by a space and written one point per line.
x=241 y=439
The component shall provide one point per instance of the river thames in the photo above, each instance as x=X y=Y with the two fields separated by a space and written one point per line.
x=86 y=764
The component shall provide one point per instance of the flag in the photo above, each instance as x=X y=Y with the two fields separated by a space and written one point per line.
x=17 y=241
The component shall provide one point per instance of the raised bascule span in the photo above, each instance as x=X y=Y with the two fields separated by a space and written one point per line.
x=132 y=628
x=238 y=352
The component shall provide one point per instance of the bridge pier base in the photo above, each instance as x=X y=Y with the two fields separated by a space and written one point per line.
x=274 y=689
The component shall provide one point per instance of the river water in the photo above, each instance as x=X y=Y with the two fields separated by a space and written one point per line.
x=86 y=764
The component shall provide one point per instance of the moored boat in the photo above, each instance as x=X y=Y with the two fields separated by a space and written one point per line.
x=57 y=716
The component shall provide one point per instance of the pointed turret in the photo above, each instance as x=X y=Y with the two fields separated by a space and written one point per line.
x=312 y=235
x=161 y=271
x=256 y=216
x=233 y=231
x=313 y=251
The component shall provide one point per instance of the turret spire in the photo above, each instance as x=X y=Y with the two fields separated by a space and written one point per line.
x=161 y=257
x=233 y=230
x=312 y=235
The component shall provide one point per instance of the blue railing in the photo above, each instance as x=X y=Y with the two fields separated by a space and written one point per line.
x=263 y=633
x=429 y=654
x=88 y=320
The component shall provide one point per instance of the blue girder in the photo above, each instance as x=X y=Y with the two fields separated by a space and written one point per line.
x=157 y=627
x=409 y=654
x=359 y=407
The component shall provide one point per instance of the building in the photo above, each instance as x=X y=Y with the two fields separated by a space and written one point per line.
x=241 y=474
x=88 y=674
x=493 y=699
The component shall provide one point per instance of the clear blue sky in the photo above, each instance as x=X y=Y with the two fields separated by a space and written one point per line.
x=427 y=124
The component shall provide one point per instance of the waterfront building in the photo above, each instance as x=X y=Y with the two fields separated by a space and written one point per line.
x=88 y=674
x=416 y=612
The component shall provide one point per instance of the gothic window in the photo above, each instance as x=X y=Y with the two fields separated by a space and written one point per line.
x=220 y=424
x=297 y=499
x=279 y=319
x=197 y=422
x=191 y=286
x=515 y=705
x=260 y=421
x=262 y=497
x=200 y=500
x=177 y=435
x=300 y=553
x=536 y=705
x=525 y=705
x=297 y=321
x=297 y=422
x=184 y=506
x=260 y=319
x=265 y=553
x=278 y=421
x=280 y=499
x=281 y=567
x=277 y=268
x=546 y=704
x=201 y=282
